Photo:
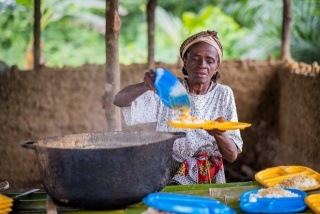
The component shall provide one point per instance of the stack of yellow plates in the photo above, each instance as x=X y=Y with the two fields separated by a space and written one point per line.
x=313 y=202
x=5 y=204
x=274 y=175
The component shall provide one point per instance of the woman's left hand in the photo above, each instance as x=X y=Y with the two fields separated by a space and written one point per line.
x=226 y=146
x=217 y=131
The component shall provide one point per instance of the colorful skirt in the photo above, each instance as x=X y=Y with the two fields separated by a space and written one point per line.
x=198 y=170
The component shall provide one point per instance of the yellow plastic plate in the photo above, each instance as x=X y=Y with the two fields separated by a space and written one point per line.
x=5 y=200
x=210 y=124
x=5 y=211
x=272 y=176
x=313 y=202
x=4 y=206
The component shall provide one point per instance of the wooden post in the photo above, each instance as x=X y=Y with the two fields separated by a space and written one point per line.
x=151 y=6
x=113 y=26
x=36 y=34
x=286 y=23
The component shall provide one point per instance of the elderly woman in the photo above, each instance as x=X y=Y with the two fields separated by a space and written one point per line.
x=198 y=158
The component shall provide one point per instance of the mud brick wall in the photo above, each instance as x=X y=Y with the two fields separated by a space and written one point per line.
x=299 y=114
x=282 y=106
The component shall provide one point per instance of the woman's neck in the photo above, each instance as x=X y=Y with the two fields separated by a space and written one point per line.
x=196 y=88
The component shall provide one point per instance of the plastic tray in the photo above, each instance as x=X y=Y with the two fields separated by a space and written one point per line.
x=170 y=90
x=273 y=205
x=209 y=125
x=187 y=204
x=5 y=204
x=272 y=176
x=313 y=202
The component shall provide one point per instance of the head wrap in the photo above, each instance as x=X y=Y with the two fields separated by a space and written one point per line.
x=208 y=36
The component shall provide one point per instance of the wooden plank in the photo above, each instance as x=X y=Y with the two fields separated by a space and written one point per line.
x=50 y=206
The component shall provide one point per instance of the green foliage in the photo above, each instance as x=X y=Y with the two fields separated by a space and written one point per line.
x=66 y=20
x=72 y=30
x=133 y=34
x=179 y=7
x=212 y=18
x=167 y=36
x=172 y=31
x=305 y=35
x=14 y=37
x=135 y=51
x=25 y=2
x=72 y=47
x=264 y=21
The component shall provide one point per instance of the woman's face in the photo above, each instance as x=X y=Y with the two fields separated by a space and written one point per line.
x=201 y=62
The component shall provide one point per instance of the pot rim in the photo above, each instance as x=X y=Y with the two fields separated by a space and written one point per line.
x=44 y=142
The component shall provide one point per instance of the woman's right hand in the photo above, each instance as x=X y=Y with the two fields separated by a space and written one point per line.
x=128 y=94
x=149 y=78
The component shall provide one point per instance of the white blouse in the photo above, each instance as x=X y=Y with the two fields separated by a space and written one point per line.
x=218 y=102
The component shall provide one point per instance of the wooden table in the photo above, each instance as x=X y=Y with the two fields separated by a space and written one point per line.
x=228 y=193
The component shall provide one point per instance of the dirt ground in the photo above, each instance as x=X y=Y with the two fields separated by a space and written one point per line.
x=61 y=101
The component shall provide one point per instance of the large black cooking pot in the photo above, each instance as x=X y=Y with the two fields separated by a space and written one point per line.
x=104 y=170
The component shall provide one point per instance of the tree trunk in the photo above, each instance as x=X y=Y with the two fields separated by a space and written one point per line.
x=150 y=19
x=36 y=34
x=113 y=25
x=286 y=22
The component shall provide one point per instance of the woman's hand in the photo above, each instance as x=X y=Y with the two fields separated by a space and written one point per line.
x=220 y=119
x=226 y=146
x=148 y=79
x=128 y=94
x=217 y=131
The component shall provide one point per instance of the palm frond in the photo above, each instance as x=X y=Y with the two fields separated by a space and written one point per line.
x=169 y=24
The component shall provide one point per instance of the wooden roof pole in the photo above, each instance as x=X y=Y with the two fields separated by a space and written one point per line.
x=151 y=6
x=286 y=23
x=36 y=34
x=113 y=26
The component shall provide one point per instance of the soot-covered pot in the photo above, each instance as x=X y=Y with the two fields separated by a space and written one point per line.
x=104 y=170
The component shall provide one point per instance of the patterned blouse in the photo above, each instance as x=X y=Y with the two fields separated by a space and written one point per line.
x=218 y=102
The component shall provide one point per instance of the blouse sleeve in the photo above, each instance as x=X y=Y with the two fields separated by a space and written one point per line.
x=230 y=114
x=142 y=110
